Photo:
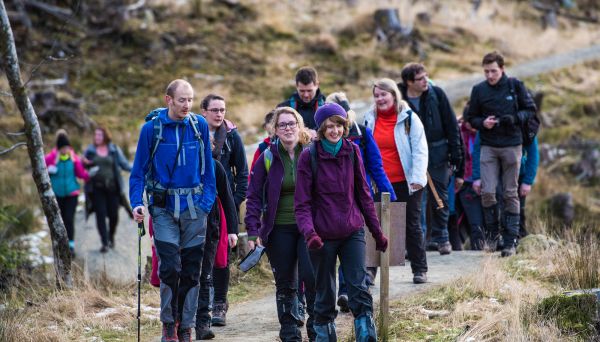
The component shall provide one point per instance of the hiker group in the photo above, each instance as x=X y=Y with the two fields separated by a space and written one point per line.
x=310 y=192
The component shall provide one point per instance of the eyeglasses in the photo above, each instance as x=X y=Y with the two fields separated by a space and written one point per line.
x=217 y=110
x=283 y=125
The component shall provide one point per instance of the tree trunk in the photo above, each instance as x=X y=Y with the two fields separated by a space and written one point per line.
x=58 y=233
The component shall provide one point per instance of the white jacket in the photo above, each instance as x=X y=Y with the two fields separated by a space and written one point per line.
x=412 y=147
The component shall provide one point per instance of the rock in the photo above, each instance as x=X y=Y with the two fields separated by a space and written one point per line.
x=534 y=243
x=574 y=312
x=563 y=207
x=434 y=313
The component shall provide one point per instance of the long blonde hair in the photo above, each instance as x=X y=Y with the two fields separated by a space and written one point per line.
x=303 y=136
x=390 y=86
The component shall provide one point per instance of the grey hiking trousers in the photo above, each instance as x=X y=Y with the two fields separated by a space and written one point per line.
x=179 y=245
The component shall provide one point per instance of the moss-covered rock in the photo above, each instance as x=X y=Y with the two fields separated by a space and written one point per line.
x=534 y=243
x=573 y=312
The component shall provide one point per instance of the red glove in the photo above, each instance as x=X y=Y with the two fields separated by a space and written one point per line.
x=381 y=243
x=314 y=242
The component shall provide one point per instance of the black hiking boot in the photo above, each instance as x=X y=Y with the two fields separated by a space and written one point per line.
x=203 y=331
x=219 y=315
x=342 y=302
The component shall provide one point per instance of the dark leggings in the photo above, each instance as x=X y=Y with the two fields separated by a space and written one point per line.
x=67 y=206
x=221 y=281
x=106 y=204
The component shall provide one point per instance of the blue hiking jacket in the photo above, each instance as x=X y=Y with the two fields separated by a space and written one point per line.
x=373 y=163
x=529 y=161
x=186 y=174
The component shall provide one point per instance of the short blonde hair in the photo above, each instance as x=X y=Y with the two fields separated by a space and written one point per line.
x=339 y=97
x=387 y=84
x=304 y=137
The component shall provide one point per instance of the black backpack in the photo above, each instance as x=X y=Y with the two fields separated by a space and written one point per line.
x=529 y=121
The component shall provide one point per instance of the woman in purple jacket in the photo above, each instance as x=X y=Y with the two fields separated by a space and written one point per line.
x=332 y=197
x=271 y=195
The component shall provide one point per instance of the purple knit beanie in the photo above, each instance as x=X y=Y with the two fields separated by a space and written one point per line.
x=327 y=110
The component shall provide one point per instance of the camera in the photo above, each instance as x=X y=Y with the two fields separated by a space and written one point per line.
x=159 y=198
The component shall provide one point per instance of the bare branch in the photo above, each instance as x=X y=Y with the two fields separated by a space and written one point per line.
x=16 y=134
x=48 y=83
x=8 y=150
x=135 y=6
x=5 y=93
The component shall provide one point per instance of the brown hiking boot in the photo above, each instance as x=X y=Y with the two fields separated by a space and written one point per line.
x=445 y=248
x=169 y=333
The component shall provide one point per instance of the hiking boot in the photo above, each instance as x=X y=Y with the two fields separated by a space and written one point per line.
x=218 y=315
x=420 y=278
x=169 y=333
x=506 y=252
x=445 y=248
x=342 y=302
x=203 y=331
x=432 y=246
x=104 y=249
x=185 y=335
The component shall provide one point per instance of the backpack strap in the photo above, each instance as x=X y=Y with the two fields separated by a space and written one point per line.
x=268 y=159
x=312 y=149
x=293 y=102
x=194 y=121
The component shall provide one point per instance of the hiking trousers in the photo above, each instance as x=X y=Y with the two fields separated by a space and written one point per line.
x=106 y=205
x=351 y=252
x=439 y=217
x=213 y=234
x=493 y=160
x=414 y=236
x=67 y=206
x=179 y=245
x=289 y=261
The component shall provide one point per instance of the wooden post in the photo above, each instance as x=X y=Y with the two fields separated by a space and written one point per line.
x=384 y=305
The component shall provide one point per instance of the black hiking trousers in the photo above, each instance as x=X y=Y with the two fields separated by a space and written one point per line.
x=67 y=206
x=106 y=204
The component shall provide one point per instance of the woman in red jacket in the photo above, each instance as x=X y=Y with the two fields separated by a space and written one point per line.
x=332 y=197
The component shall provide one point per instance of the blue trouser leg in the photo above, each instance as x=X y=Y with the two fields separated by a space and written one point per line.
x=342 y=290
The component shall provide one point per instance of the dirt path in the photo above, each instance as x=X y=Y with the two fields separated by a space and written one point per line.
x=256 y=320
x=119 y=264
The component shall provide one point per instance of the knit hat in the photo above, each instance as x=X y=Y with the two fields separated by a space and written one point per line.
x=62 y=141
x=327 y=110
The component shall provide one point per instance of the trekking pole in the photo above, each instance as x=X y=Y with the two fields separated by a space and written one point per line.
x=141 y=232
x=438 y=200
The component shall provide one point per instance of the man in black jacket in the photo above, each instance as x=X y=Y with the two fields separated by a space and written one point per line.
x=497 y=107
x=307 y=98
x=229 y=150
x=443 y=139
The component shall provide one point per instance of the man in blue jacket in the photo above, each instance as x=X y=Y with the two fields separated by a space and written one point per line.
x=443 y=140
x=173 y=163
x=495 y=109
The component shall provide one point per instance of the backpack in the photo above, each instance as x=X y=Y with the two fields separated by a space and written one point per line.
x=530 y=122
x=151 y=184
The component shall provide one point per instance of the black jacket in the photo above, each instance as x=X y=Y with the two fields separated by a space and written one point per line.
x=226 y=197
x=229 y=150
x=306 y=110
x=441 y=127
x=499 y=100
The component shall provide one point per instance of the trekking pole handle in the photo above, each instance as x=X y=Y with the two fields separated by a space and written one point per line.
x=141 y=228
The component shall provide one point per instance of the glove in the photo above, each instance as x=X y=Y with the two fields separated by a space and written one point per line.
x=507 y=120
x=381 y=242
x=314 y=242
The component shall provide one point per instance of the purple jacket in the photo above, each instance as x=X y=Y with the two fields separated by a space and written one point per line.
x=335 y=209
x=270 y=182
